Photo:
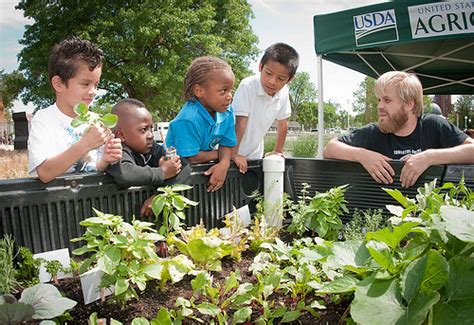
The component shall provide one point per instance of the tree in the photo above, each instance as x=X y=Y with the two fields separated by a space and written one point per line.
x=302 y=91
x=11 y=85
x=365 y=100
x=147 y=44
x=464 y=107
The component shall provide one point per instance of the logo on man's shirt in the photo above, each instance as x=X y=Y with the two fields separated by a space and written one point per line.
x=406 y=152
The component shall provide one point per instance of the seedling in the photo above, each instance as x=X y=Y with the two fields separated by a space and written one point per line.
x=86 y=116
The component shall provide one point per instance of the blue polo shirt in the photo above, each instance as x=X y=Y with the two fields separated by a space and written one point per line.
x=194 y=130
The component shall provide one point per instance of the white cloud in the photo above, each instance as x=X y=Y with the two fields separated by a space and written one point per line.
x=10 y=17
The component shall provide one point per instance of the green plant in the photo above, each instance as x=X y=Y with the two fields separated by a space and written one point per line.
x=27 y=268
x=269 y=144
x=42 y=301
x=322 y=214
x=205 y=248
x=53 y=267
x=170 y=205
x=420 y=269
x=363 y=222
x=304 y=147
x=85 y=115
x=236 y=232
x=7 y=267
x=123 y=251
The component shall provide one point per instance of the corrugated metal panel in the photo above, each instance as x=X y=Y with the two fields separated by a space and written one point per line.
x=45 y=217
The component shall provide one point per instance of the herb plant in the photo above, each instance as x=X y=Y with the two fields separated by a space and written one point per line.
x=53 y=267
x=27 y=268
x=168 y=207
x=363 y=222
x=7 y=267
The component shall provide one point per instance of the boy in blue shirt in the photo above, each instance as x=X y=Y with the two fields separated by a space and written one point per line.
x=203 y=130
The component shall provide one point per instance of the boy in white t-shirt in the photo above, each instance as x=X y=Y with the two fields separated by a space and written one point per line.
x=260 y=100
x=54 y=146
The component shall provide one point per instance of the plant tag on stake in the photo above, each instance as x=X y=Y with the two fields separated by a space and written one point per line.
x=61 y=255
x=90 y=281
x=244 y=215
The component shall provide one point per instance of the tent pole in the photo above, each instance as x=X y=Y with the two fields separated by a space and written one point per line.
x=320 y=107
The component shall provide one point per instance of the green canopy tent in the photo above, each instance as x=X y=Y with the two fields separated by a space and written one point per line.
x=434 y=39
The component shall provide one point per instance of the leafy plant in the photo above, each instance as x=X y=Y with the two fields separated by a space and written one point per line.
x=42 y=301
x=322 y=214
x=261 y=231
x=170 y=205
x=236 y=232
x=53 y=267
x=125 y=252
x=418 y=269
x=206 y=249
x=269 y=144
x=27 y=268
x=87 y=116
x=363 y=222
x=7 y=267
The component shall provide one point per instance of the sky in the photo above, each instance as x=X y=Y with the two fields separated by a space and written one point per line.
x=288 y=21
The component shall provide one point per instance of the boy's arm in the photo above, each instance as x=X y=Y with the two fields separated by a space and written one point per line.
x=240 y=126
x=218 y=172
x=282 y=130
x=60 y=163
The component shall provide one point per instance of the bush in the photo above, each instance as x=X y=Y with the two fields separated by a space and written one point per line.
x=363 y=222
x=304 y=147
x=269 y=144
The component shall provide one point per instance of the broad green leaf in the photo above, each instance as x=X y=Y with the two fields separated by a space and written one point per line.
x=457 y=305
x=157 y=204
x=140 y=321
x=162 y=317
x=178 y=203
x=16 y=313
x=153 y=270
x=353 y=253
x=399 y=197
x=46 y=300
x=428 y=273
x=241 y=315
x=459 y=222
x=81 y=109
x=200 y=281
x=178 y=267
x=381 y=253
x=109 y=120
x=76 y=122
x=290 y=316
x=208 y=309
x=339 y=285
x=121 y=286
x=392 y=238
x=180 y=187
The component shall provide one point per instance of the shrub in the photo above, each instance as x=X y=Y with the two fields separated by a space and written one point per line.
x=363 y=222
x=304 y=147
x=7 y=268
x=269 y=144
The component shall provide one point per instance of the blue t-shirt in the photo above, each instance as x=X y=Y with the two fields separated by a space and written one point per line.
x=194 y=130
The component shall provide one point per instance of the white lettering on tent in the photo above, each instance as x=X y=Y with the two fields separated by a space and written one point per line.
x=442 y=18
x=375 y=27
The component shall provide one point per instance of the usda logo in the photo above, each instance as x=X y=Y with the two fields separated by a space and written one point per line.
x=375 y=27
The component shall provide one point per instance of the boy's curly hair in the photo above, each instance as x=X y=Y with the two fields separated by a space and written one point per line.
x=66 y=55
x=199 y=71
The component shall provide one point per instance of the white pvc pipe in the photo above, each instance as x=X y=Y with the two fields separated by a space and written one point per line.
x=273 y=171
x=320 y=107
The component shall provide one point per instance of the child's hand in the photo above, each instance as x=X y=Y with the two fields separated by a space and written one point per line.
x=218 y=172
x=94 y=137
x=113 y=150
x=171 y=166
x=241 y=163
x=146 y=210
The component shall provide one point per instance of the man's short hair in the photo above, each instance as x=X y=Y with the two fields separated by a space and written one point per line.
x=408 y=88
x=283 y=54
x=66 y=56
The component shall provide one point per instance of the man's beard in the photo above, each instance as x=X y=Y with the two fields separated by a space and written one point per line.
x=393 y=123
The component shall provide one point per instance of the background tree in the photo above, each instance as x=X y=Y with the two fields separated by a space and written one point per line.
x=302 y=91
x=11 y=85
x=365 y=101
x=464 y=107
x=147 y=44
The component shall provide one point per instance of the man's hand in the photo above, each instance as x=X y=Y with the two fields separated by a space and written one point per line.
x=146 y=210
x=414 y=166
x=171 y=166
x=218 y=173
x=241 y=163
x=378 y=166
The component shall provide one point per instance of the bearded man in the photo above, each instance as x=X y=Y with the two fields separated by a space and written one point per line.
x=402 y=133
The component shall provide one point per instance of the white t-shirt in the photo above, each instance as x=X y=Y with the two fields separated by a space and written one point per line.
x=262 y=110
x=50 y=134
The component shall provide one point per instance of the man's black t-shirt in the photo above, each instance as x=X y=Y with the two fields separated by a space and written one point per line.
x=431 y=132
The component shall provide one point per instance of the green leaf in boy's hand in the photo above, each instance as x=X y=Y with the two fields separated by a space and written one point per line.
x=81 y=109
x=109 y=120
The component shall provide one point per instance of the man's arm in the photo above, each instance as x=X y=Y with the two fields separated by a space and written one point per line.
x=240 y=125
x=376 y=164
x=416 y=164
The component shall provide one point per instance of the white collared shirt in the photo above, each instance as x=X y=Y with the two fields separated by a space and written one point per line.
x=262 y=110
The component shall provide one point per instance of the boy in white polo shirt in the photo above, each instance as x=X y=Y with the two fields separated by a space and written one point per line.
x=260 y=100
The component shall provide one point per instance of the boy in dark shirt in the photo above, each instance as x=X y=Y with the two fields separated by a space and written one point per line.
x=143 y=160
